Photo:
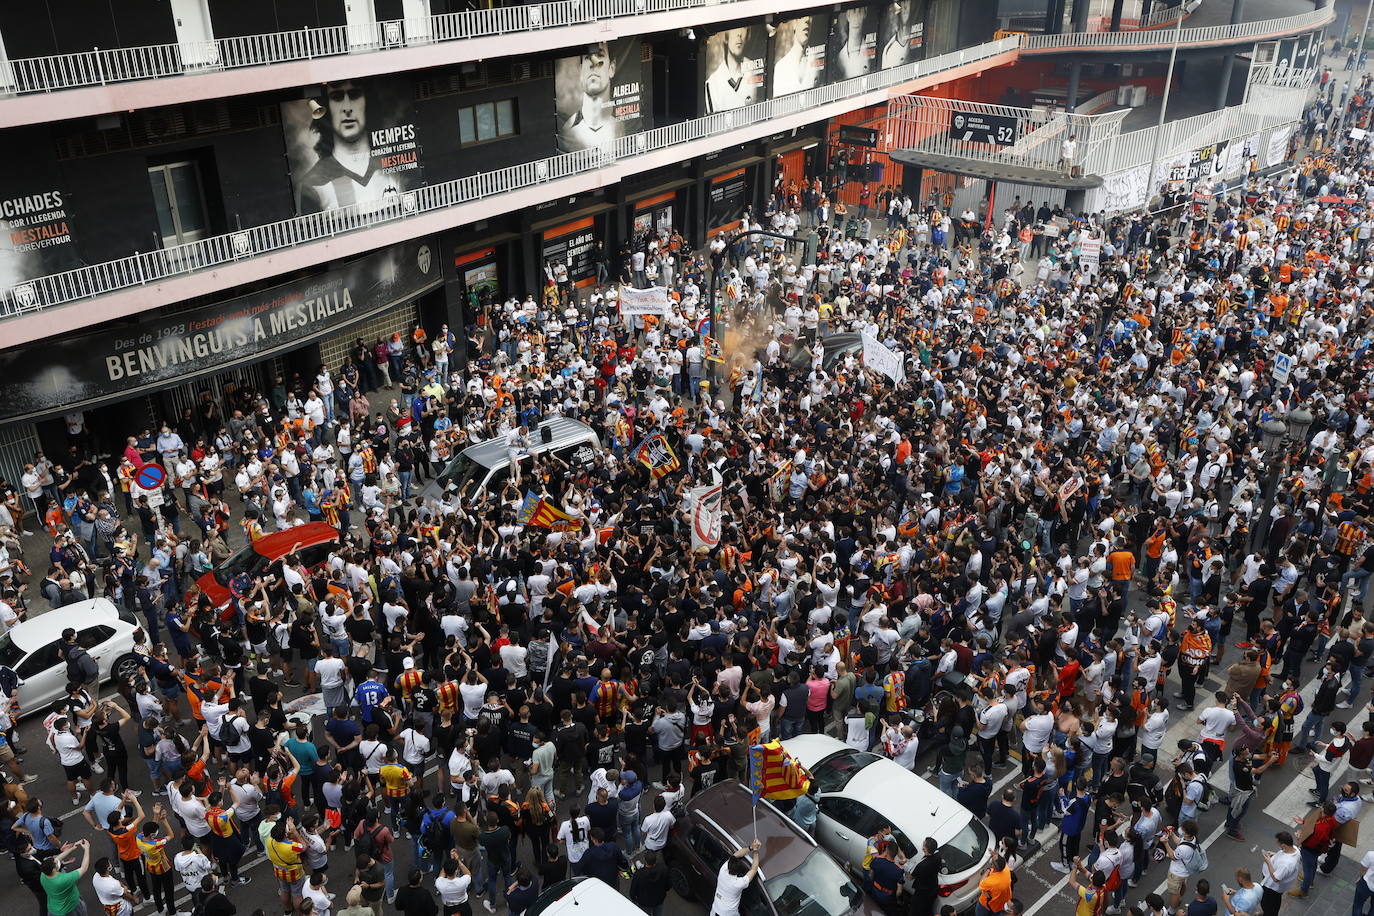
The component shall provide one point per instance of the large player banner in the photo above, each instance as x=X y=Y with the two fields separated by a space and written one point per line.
x=599 y=95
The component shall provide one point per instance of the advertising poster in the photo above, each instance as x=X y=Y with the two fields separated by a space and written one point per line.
x=729 y=194
x=799 y=54
x=82 y=370
x=902 y=37
x=573 y=244
x=854 y=43
x=598 y=94
x=353 y=142
x=36 y=219
x=481 y=280
x=735 y=67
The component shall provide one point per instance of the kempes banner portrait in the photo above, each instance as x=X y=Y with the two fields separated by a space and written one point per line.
x=735 y=67
x=35 y=216
x=353 y=142
x=799 y=54
x=599 y=94
x=87 y=369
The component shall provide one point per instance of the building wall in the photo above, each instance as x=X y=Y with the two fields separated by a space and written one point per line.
x=35 y=28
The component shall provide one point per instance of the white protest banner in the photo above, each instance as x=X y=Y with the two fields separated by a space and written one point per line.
x=707 y=510
x=881 y=358
x=651 y=301
x=1090 y=255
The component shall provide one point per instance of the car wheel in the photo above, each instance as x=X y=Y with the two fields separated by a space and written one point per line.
x=125 y=667
x=681 y=882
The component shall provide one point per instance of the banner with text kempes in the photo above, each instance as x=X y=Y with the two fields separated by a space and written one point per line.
x=83 y=370
x=356 y=142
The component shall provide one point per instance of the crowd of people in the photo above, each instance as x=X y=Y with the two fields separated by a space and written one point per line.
x=1105 y=498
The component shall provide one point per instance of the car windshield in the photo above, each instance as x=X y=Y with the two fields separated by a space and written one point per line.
x=460 y=472
x=817 y=887
x=246 y=560
x=10 y=654
x=834 y=773
x=966 y=849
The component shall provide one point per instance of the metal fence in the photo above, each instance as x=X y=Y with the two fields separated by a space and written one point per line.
x=115 y=65
x=941 y=127
x=100 y=279
x=1203 y=36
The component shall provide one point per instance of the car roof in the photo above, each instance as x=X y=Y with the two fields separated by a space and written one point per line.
x=730 y=807
x=584 y=895
x=919 y=809
x=279 y=543
x=37 y=632
x=564 y=431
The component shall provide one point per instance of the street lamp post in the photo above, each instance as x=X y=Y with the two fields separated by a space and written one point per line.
x=1277 y=435
x=1183 y=12
x=1272 y=434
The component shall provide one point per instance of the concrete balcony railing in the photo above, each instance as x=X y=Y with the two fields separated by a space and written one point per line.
x=1155 y=39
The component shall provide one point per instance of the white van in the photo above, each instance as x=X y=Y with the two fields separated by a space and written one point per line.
x=485 y=467
x=582 y=897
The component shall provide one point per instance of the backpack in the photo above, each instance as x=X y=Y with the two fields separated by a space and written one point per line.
x=80 y=666
x=1204 y=800
x=228 y=735
x=1198 y=863
x=367 y=843
x=435 y=833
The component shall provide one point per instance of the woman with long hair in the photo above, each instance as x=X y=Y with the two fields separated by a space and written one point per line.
x=536 y=821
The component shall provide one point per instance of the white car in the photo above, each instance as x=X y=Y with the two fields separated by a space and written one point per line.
x=33 y=648
x=859 y=792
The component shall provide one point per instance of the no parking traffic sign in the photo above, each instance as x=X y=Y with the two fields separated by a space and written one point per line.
x=150 y=476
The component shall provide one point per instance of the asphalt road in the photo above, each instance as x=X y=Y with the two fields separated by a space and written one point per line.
x=1282 y=796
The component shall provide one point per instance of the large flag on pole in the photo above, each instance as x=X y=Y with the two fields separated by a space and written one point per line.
x=538 y=512
x=708 y=509
x=773 y=773
x=657 y=455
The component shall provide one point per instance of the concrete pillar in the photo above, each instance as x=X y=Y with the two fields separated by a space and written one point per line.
x=1080 y=24
x=1118 y=8
x=1229 y=62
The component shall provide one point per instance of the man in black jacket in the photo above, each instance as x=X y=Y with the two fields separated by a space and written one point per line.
x=414 y=899
x=649 y=887
x=30 y=869
x=925 y=881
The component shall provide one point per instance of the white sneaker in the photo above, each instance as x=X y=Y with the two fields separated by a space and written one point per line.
x=1060 y=867
x=97 y=769
x=487 y=904
x=1344 y=704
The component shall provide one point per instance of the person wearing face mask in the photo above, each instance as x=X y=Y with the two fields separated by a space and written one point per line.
x=1323 y=704
x=1329 y=755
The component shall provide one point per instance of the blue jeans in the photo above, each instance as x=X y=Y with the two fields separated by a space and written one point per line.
x=498 y=878
x=629 y=829
x=389 y=869
x=790 y=728
x=1311 y=727
x=1363 y=895
x=1309 y=867
x=1323 y=779
x=1357 y=575
x=949 y=783
x=405 y=482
